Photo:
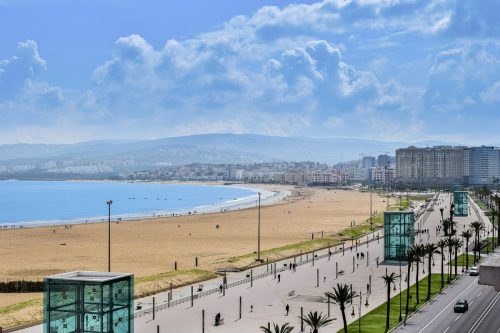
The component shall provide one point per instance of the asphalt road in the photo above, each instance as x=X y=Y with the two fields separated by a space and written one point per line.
x=438 y=316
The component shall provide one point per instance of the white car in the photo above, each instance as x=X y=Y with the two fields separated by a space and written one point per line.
x=474 y=271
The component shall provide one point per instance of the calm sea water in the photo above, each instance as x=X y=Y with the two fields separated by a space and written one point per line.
x=39 y=202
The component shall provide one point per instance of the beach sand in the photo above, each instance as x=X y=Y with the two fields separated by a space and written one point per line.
x=151 y=246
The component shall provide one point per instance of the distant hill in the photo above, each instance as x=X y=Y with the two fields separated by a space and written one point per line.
x=111 y=157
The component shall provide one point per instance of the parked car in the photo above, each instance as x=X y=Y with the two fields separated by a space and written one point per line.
x=474 y=271
x=461 y=306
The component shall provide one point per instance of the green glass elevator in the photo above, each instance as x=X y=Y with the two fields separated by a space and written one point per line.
x=461 y=201
x=398 y=235
x=84 y=302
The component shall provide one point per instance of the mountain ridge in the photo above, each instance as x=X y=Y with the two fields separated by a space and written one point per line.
x=116 y=156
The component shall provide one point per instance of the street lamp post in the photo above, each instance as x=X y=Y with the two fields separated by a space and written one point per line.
x=371 y=209
x=109 y=234
x=258 y=232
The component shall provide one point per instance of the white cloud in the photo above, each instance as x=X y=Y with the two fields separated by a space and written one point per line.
x=492 y=94
x=299 y=69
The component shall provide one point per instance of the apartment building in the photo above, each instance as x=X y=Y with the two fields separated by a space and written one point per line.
x=448 y=165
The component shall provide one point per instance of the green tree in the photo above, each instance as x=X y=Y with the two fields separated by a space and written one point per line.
x=442 y=244
x=388 y=280
x=467 y=235
x=430 y=249
x=285 y=328
x=410 y=259
x=456 y=244
x=342 y=294
x=419 y=251
x=316 y=320
x=477 y=227
x=449 y=244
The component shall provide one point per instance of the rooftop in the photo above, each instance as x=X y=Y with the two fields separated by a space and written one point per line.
x=89 y=276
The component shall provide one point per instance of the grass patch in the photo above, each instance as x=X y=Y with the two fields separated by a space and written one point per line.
x=374 y=321
x=480 y=203
x=20 y=306
x=461 y=261
x=421 y=197
x=196 y=273
x=289 y=250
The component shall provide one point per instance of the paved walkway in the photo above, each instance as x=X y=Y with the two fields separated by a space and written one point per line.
x=265 y=301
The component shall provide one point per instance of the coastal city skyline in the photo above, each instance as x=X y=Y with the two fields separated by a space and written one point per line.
x=273 y=166
x=390 y=70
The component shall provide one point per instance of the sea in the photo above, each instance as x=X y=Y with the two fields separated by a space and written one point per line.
x=37 y=203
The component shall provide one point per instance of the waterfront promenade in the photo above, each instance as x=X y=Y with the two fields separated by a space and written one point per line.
x=265 y=299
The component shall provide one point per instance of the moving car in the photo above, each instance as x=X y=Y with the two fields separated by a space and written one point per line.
x=474 y=271
x=461 y=306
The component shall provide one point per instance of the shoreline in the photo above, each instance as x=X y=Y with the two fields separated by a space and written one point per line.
x=270 y=196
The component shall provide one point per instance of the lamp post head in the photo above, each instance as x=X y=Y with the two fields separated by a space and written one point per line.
x=109 y=202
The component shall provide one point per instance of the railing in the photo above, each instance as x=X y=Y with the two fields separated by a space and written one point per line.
x=247 y=280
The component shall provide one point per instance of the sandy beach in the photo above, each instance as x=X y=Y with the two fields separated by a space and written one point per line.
x=151 y=246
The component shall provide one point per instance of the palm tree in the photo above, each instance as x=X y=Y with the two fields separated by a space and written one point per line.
x=316 y=320
x=467 y=235
x=430 y=250
x=419 y=254
x=285 y=328
x=449 y=244
x=389 y=279
x=446 y=226
x=341 y=295
x=442 y=244
x=410 y=258
x=456 y=244
x=477 y=227
x=497 y=211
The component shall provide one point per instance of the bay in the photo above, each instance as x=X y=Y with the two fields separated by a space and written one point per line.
x=33 y=203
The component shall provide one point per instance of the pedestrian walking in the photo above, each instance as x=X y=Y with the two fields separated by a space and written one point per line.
x=287 y=309
x=279 y=278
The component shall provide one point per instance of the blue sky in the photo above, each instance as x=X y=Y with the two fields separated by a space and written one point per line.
x=379 y=69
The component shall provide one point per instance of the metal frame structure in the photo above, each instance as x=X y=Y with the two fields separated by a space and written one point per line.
x=399 y=234
x=85 y=302
x=461 y=201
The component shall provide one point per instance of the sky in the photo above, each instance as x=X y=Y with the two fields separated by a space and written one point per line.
x=393 y=70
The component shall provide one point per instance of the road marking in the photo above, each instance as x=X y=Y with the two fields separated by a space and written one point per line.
x=471 y=302
x=460 y=315
x=479 y=294
x=472 y=284
x=484 y=314
x=446 y=330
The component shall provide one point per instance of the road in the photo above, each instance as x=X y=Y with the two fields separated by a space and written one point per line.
x=438 y=315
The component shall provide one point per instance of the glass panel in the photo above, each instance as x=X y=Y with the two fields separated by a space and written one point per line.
x=461 y=201
x=398 y=234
